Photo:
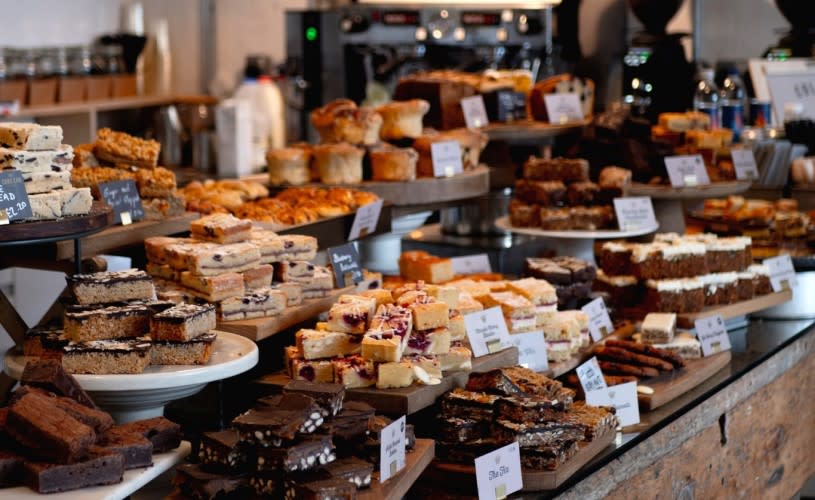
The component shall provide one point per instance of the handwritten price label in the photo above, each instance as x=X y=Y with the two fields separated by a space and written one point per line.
x=591 y=376
x=123 y=197
x=14 y=202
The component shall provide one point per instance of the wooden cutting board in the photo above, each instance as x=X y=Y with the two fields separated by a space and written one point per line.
x=670 y=385
x=416 y=461
x=686 y=320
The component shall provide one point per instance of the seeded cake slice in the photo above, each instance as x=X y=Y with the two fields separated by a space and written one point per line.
x=111 y=286
x=182 y=322
x=255 y=304
x=132 y=320
x=191 y=352
x=106 y=357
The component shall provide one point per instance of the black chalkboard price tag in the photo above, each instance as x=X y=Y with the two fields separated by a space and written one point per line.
x=345 y=259
x=123 y=197
x=14 y=203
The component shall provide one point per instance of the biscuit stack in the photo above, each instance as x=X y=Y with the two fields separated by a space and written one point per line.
x=229 y=263
x=45 y=164
x=116 y=156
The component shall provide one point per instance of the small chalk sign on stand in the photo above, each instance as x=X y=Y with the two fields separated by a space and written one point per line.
x=14 y=202
x=123 y=197
x=344 y=260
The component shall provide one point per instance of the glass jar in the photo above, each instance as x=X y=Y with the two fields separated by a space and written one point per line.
x=5 y=63
x=29 y=63
x=99 y=63
x=79 y=60
x=114 y=59
x=47 y=60
x=16 y=63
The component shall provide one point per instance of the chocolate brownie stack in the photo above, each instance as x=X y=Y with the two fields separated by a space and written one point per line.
x=305 y=441
x=53 y=438
x=556 y=194
x=571 y=277
x=517 y=404
x=679 y=274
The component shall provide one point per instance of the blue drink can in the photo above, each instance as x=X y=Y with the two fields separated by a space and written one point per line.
x=761 y=113
x=732 y=118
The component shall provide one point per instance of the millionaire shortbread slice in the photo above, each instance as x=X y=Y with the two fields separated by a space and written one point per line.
x=259 y=277
x=435 y=341
x=354 y=372
x=294 y=271
x=75 y=201
x=217 y=259
x=107 y=357
x=191 y=352
x=183 y=322
x=107 y=323
x=59 y=160
x=43 y=182
x=30 y=136
x=221 y=228
x=215 y=288
x=457 y=358
x=45 y=206
x=394 y=375
x=111 y=286
x=255 y=304
x=315 y=344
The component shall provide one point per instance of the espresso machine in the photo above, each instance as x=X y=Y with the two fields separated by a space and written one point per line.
x=360 y=52
x=657 y=76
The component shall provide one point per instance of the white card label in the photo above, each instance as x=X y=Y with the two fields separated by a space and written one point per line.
x=635 y=213
x=487 y=331
x=793 y=86
x=531 y=350
x=622 y=397
x=591 y=376
x=563 y=108
x=366 y=220
x=392 y=449
x=782 y=273
x=475 y=113
x=446 y=158
x=744 y=163
x=712 y=334
x=9 y=108
x=498 y=473
x=688 y=170
x=600 y=323
x=472 y=264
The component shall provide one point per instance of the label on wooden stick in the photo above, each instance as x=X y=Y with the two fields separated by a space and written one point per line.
x=498 y=473
x=487 y=331
x=686 y=171
x=392 y=449
x=712 y=334
x=782 y=273
x=623 y=397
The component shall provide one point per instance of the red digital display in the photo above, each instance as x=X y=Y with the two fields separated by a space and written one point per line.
x=400 y=17
x=480 y=19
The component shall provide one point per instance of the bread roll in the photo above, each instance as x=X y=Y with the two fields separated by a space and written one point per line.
x=339 y=163
x=402 y=119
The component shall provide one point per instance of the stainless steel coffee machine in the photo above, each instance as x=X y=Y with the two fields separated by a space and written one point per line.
x=360 y=52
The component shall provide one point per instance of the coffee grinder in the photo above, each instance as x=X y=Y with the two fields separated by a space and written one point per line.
x=657 y=77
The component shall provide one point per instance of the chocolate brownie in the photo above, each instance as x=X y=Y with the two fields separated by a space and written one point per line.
x=547 y=269
x=494 y=382
x=49 y=374
x=523 y=214
x=352 y=469
x=45 y=342
x=581 y=270
x=466 y=404
x=529 y=409
x=548 y=457
x=136 y=449
x=327 y=396
x=615 y=258
x=198 y=484
x=333 y=489
x=47 y=432
x=98 y=467
x=460 y=430
x=98 y=420
x=350 y=424
x=222 y=450
x=279 y=418
x=532 y=434
x=544 y=193
x=583 y=193
x=163 y=433
x=11 y=467
x=308 y=453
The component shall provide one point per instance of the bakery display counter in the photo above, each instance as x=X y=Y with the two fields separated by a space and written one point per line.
x=334 y=231
x=742 y=424
x=529 y=131
x=416 y=461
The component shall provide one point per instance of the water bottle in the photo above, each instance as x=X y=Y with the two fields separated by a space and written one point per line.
x=706 y=97
x=733 y=97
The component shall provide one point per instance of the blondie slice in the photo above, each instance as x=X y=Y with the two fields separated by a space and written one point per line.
x=221 y=228
x=43 y=182
x=30 y=136
x=214 y=288
x=107 y=323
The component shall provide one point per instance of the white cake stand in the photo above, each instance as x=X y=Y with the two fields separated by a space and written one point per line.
x=577 y=243
x=144 y=395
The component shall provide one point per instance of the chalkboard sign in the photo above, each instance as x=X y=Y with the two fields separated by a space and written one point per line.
x=14 y=203
x=123 y=197
x=345 y=259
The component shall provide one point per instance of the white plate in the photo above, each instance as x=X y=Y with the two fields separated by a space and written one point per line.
x=503 y=223
x=231 y=355
x=133 y=480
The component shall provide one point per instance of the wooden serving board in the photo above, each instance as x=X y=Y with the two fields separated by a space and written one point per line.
x=670 y=385
x=562 y=367
x=260 y=328
x=421 y=191
x=533 y=480
x=116 y=237
x=686 y=320
x=528 y=130
x=416 y=461
x=667 y=192
x=409 y=400
x=99 y=217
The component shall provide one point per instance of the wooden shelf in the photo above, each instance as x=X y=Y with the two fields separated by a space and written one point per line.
x=109 y=105
x=686 y=320
x=416 y=461
x=409 y=400
x=670 y=385
x=260 y=328
x=666 y=192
